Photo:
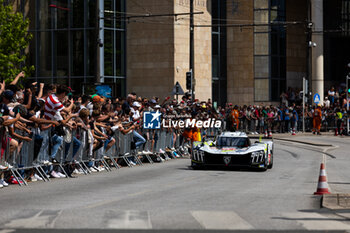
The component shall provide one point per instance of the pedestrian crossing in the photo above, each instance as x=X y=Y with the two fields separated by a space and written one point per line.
x=198 y=219
x=130 y=219
x=221 y=220
x=316 y=221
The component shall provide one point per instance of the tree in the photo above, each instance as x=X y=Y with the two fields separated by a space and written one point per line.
x=14 y=39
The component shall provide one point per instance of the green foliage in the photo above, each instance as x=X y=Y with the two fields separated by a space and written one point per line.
x=14 y=39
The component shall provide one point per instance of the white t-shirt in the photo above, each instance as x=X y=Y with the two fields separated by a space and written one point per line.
x=331 y=93
x=136 y=115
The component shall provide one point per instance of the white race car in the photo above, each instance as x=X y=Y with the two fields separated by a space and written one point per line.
x=233 y=149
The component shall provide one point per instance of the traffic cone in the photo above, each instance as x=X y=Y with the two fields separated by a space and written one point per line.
x=336 y=132
x=293 y=132
x=265 y=133
x=322 y=187
x=270 y=134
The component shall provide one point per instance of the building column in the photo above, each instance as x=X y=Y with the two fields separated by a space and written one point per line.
x=317 y=51
x=100 y=44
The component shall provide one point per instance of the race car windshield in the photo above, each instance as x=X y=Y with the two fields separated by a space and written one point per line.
x=232 y=142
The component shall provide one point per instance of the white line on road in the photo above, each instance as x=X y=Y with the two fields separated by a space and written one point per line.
x=220 y=220
x=7 y=231
x=130 y=219
x=315 y=221
x=39 y=220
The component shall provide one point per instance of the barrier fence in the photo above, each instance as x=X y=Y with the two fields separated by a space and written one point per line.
x=329 y=122
x=34 y=155
x=159 y=145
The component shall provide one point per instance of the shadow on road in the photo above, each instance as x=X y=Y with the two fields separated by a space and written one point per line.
x=221 y=168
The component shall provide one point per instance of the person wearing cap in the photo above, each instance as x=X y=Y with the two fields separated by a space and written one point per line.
x=7 y=97
x=136 y=117
x=97 y=99
x=317 y=120
x=136 y=113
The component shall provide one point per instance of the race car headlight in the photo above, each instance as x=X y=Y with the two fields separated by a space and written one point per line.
x=257 y=156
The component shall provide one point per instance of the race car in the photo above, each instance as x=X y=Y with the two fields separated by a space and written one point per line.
x=232 y=149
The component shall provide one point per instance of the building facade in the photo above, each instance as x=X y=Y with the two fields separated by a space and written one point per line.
x=244 y=51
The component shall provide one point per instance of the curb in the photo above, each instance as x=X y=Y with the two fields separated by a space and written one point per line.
x=339 y=201
x=339 y=204
x=303 y=142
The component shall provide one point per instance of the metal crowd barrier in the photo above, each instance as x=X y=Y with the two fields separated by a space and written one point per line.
x=159 y=144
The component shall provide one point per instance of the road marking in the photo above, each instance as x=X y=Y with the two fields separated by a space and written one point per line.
x=315 y=221
x=129 y=219
x=107 y=202
x=147 y=191
x=220 y=220
x=7 y=231
x=42 y=219
x=310 y=147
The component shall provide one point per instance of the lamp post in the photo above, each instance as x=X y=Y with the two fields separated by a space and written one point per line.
x=192 y=49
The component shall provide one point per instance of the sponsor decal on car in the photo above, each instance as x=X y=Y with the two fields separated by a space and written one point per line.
x=228 y=149
x=227 y=160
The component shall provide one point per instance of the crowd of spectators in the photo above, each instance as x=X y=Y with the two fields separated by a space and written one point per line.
x=287 y=117
x=27 y=111
x=260 y=119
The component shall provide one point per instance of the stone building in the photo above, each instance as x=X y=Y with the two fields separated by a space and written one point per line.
x=244 y=51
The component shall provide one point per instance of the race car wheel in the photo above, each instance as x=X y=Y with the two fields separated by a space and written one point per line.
x=265 y=165
x=264 y=168
x=271 y=162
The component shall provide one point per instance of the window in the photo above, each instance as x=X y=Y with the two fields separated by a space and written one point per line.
x=65 y=45
x=269 y=49
x=219 y=87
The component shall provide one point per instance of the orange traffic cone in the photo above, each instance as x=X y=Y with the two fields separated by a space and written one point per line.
x=322 y=187
x=270 y=134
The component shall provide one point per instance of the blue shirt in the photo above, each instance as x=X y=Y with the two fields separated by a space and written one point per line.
x=286 y=115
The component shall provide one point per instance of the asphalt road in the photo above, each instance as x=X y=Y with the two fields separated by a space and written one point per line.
x=174 y=197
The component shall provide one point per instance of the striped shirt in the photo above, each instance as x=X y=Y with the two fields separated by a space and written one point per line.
x=52 y=108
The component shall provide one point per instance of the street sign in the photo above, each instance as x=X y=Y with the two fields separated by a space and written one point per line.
x=317 y=98
x=177 y=89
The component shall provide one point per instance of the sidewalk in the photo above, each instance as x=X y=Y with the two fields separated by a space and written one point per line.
x=337 y=203
x=296 y=138
x=311 y=141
